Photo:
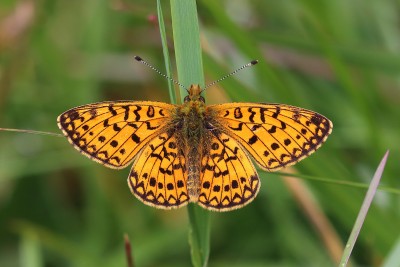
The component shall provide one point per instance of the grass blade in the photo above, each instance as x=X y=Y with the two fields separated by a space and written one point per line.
x=190 y=71
x=363 y=211
x=167 y=60
x=393 y=259
x=30 y=251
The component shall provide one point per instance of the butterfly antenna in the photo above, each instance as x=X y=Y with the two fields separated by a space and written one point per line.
x=137 y=58
x=252 y=63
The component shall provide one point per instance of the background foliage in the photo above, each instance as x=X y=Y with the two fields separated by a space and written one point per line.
x=340 y=58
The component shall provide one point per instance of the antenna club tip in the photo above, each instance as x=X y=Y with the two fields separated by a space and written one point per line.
x=138 y=58
x=254 y=62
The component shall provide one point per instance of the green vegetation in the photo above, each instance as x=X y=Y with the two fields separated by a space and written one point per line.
x=339 y=58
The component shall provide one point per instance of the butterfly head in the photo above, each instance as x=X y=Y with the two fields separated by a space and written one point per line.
x=194 y=94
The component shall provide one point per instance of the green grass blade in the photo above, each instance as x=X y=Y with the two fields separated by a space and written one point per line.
x=199 y=235
x=190 y=71
x=345 y=182
x=30 y=251
x=363 y=211
x=187 y=43
x=393 y=259
x=167 y=60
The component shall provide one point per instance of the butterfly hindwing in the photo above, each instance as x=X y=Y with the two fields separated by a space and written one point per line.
x=112 y=133
x=228 y=178
x=275 y=135
x=158 y=176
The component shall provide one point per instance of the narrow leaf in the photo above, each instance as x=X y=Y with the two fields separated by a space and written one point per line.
x=363 y=211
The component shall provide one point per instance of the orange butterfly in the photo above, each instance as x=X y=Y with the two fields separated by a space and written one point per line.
x=194 y=152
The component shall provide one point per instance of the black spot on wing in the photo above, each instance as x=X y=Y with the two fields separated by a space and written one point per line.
x=238 y=128
x=116 y=127
x=112 y=110
x=238 y=113
x=136 y=112
x=114 y=143
x=253 y=139
x=253 y=113
x=262 y=114
x=135 y=138
x=150 y=112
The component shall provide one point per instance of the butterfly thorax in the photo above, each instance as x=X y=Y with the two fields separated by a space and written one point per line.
x=191 y=115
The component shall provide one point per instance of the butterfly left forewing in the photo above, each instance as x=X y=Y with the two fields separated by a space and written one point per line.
x=275 y=135
x=112 y=133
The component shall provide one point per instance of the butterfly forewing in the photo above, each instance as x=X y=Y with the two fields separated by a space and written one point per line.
x=112 y=133
x=275 y=135
x=228 y=178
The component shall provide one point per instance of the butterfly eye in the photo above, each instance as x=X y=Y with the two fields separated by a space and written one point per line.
x=202 y=99
x=186 y=99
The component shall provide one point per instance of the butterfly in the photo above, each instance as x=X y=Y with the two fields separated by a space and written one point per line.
x=194 y=152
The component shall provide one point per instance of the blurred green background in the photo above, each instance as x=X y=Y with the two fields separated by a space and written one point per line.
x=340 y=58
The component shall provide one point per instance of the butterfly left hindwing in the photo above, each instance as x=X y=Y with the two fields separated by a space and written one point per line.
x=158 y=176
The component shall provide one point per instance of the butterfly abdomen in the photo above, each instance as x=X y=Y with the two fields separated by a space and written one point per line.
x=193 y=134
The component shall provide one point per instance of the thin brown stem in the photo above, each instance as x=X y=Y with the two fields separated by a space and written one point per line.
x=128 y=251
